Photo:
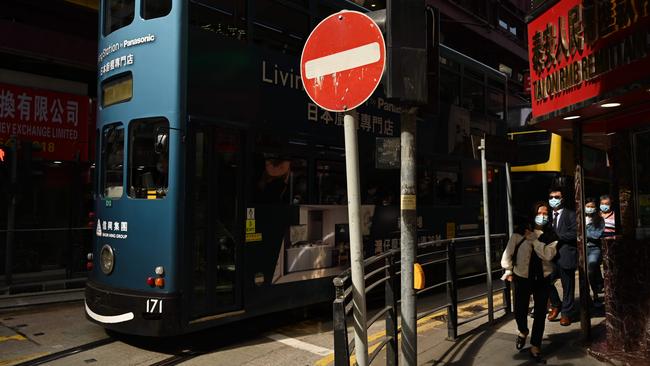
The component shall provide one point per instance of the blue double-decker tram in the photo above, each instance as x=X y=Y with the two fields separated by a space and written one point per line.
x=221 y=187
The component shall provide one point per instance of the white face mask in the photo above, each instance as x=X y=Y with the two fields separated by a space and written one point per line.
x=590 y=210
x=541 y=220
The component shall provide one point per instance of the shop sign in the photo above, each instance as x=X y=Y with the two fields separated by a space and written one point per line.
x=58 y=122
x=579 y=49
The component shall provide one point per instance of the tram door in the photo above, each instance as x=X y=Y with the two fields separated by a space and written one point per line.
x=214 y=207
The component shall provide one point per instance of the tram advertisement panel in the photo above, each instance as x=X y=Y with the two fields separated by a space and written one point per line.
x=232 y=81
x=58 y=122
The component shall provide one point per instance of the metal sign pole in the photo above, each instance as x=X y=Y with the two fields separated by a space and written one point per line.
x=356 y=243
x=509 y=194
x=408 y=223
x=486 y=225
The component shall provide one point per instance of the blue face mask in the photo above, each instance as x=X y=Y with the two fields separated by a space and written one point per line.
x=541 y=220
x=604 y=208
x=590 y=210
x=555 y=202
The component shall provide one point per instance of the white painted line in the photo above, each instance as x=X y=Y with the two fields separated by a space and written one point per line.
x=109 y=319
x=298 y=344
x=341 y=61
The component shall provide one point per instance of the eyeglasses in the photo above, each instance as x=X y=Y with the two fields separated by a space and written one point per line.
x=558 y=197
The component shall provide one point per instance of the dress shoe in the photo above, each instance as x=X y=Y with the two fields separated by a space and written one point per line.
x=565 y=321
x=552 y=314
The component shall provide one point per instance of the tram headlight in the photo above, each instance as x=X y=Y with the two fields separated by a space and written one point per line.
x=107 y=259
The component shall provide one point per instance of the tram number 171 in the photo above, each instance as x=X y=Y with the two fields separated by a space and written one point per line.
x=154 y=306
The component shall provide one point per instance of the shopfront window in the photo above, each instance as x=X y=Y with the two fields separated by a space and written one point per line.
x=330 y=183
x=643 y=176
x=112 y=160
x=148 y=158
x=281 y=180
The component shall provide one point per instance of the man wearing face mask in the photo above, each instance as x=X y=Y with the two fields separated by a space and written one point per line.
x=607 y=213
x=563 y=221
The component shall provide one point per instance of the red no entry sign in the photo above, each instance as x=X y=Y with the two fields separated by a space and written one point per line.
x=342 y=61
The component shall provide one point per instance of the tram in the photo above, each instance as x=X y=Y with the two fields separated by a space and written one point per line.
x=221 y=187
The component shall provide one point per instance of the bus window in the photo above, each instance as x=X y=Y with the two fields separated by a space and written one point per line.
x=117 y=14
x=151 y=9
x=532 y=148
x=330 y=183
x=112 y=160
x=148 y=158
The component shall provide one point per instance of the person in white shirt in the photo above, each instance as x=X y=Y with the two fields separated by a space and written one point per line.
x=527 y=264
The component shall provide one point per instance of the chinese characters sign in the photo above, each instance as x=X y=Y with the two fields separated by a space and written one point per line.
x=579 y=49
x=58 y=122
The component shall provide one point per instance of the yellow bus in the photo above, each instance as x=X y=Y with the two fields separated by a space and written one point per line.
x=545 y=159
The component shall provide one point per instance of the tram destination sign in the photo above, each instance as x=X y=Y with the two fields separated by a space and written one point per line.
x=343 y=61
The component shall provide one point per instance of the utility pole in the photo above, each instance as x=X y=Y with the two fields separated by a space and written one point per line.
x=408 y=242
x=356 y=242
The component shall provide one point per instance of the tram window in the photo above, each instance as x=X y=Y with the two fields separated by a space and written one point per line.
x=226 y=18
x=117 y=14
x=330 y=183
x=281 y=180
x=447 y=188
x=151 y=9
x=112 y=160
x=148 y=158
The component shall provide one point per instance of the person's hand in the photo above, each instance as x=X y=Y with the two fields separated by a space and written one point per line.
x=530 y=235
x=509 y=278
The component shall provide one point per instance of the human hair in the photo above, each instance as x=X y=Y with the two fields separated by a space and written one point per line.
x=592 y=200
x=606 y=197
x=536 y=207
x=521 y=224
x=556 y=189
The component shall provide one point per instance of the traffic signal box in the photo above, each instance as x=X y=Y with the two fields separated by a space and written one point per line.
x=409 y=43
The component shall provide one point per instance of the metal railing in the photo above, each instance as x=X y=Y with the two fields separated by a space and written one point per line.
x=384 y=269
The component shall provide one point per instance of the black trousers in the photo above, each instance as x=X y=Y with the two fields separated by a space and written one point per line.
x=540 y=291
x=568 y=279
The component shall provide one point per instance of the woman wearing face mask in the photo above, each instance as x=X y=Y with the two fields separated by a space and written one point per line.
x=607 y=213
x=527 y=263
x=595 y=225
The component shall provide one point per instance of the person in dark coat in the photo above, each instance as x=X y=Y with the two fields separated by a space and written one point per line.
x=563 y=221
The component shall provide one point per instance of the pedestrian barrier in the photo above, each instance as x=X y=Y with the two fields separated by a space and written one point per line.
x=384 y=269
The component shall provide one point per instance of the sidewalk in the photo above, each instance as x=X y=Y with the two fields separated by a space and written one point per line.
x=495 y=345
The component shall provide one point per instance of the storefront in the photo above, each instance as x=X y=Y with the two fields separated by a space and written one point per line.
x=590 y=82
x=45 y=181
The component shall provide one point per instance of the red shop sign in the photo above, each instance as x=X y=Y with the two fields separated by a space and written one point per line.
x=579 y=49
x=58 y=122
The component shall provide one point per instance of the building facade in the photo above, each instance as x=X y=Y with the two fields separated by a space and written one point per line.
x=590 y=73
x=47 y=88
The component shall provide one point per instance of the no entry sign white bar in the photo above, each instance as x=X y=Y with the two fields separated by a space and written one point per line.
x=341 y=61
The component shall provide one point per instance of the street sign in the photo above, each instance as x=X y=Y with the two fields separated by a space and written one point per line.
x=343 y=61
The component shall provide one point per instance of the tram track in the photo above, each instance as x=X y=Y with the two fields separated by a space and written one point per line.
x=177 y=358
x=67 y=352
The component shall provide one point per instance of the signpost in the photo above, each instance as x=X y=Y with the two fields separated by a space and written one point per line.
x=341 y=66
